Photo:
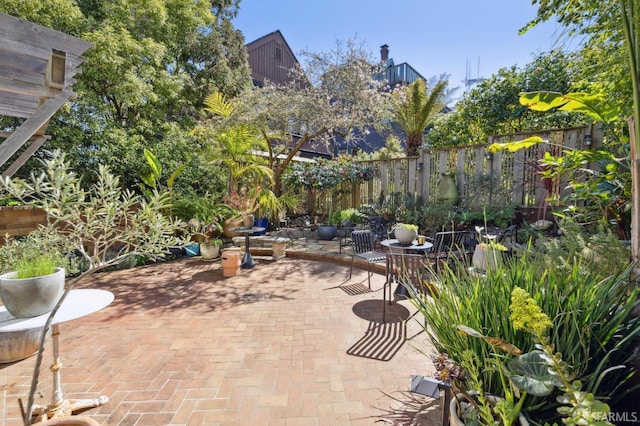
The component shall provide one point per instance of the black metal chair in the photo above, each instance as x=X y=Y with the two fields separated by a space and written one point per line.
x=405 y=270
x=448 y=245
x=362 y=244
x=378 y=228
x=410 y=273
x=344 y=235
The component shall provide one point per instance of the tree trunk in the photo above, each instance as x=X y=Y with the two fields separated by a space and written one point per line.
x=414 y=143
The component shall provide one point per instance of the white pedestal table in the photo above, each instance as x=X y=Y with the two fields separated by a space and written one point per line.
x=78 y=304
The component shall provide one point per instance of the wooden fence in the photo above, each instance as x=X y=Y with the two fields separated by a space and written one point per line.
x=20 y=220
x=515 y=173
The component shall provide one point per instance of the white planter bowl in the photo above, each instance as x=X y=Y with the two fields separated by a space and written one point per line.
x=405 y=236
x=31 y=297
x=485 y=259
x=17 y=345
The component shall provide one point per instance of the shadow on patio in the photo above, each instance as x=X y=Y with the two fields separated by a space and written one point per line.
x=181 y=344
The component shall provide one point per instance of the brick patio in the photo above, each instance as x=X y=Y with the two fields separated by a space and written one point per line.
x=290 y=342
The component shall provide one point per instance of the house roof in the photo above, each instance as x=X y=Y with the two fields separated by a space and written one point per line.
x=37 y=66
x=271 y=58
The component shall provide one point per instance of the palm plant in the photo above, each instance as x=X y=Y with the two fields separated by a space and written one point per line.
x=234 y=144
x=415 y=107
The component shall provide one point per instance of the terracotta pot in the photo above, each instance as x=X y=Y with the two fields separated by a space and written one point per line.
x=231 y=260
x=71 y=421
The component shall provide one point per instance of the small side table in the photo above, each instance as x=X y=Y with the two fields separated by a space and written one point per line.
x=247 y=260
x=78 y=304
x=415 y=247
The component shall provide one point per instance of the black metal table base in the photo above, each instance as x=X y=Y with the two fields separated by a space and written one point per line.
x=247 y=261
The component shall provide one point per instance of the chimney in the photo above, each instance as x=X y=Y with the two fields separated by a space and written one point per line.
x=384 y=53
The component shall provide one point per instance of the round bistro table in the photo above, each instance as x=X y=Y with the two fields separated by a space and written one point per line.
x=395 y=244
x=79 y=303
x=247 y=260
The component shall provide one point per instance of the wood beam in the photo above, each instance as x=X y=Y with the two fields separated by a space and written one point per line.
x=29 y=89
x=26 y=154
x=22 y=31
x=31 y=125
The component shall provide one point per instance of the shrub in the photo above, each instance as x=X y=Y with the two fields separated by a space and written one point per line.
x=42 y=248
x=437 y=217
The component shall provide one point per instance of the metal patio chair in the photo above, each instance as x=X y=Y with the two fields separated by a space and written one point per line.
x=404 y=270
x=448 y=245
x=362 y=244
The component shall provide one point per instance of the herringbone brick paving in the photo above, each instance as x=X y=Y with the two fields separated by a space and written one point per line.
x=280 y=344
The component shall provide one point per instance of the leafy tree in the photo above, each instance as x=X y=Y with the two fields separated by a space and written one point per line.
x=233 y=144
x=617 y=25
x=392 y=149
x=492 y=106
x=414 y=109
x=143 y=84
x=342 y=100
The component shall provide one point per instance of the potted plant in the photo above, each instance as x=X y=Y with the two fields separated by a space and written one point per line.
x=245 y=203
x=594 y=329
x=211 y=249
x=34 y=287
x=202 y=234
x=18 y=345
x=470 y=404
x=350 y=217
x=405 y=233
x=103 y=223
x=487 y=255
x=329 y=230
x=536 y=373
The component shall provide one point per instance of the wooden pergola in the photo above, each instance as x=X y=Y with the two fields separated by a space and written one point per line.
x=37 y=66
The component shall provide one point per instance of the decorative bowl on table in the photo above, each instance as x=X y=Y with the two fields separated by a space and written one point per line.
x=406 y=234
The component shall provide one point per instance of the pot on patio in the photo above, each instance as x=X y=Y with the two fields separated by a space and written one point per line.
x=327 y=232
x=455 y=418
x=18 y=345
x=71 y=421
x=486 y=258
x=231 y=260
x=192 y=250
x=405 y=234
x=211 y=249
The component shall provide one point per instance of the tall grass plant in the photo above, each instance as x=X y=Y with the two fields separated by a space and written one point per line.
x=591 y=313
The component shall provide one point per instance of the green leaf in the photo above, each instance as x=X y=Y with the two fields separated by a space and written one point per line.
x=542 y=101
x=530 y=373
x=469 y=331
x=216 y=103
x=516 y=145
x=175 y=174
x=593 y=106
x=153 y=161
x=149 y=179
